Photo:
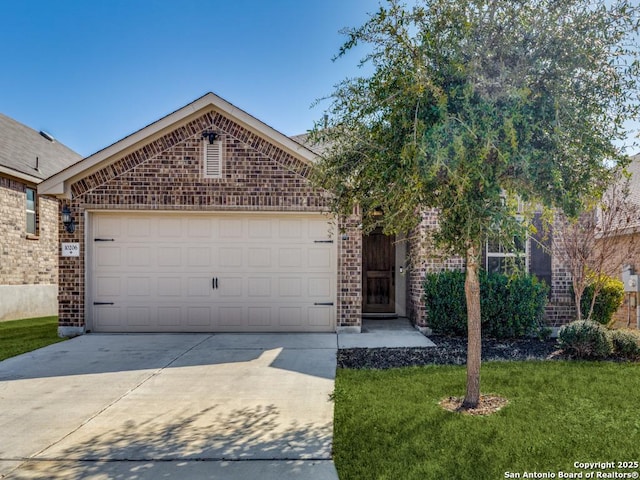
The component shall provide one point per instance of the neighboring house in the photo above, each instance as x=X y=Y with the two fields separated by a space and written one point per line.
x=28 y=222
x=628 y=247
x=206 y=221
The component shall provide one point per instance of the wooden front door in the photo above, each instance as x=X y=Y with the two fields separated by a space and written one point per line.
x=378 y=273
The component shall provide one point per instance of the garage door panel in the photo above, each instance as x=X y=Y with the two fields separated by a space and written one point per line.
x=170 y=256
x=108 y=256
x=108 y=227
x=199 y=316
x=319 y=258
x=259 y=287
x=199 y=227
x=260 y=229
x=199 y=257
x=139 y=256
x=212 y=272
x=107 y=318
x=230 y=316
x=138 y=229
x=320 y=317
x=259 y=258
x=169 y=286
x=169 y=316
x=199 y=287
x=319 y=287
x=259 y=316
x=230 y=257
x=231 y=228
x=230 y=287
x=139 y=286
x=169 y=227
x=290 y=316
x=107 y=287
x=138 y=316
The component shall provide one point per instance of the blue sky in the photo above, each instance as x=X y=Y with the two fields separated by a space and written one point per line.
x=91 y=73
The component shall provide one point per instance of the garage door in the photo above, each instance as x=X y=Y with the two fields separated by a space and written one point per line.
x=160 y=272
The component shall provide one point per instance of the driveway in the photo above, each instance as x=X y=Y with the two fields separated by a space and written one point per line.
x=170 y=406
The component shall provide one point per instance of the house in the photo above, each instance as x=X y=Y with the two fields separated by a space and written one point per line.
x=28 y=221
x=627 y=249
x=206 y=220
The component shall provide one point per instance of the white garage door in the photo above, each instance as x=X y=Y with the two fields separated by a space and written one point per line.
x=165 y=272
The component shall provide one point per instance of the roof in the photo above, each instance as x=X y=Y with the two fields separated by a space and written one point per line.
x=318 y=148
x=60 y=183
x=22 y=149
x=634 y=182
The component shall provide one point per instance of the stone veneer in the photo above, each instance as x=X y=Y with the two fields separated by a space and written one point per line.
x=166 y=174
x=28 y=263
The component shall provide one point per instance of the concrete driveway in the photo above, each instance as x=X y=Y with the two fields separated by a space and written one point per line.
x=170 y=406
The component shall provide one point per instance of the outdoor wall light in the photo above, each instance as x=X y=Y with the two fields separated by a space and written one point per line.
x=210 y=135
x=67 y=219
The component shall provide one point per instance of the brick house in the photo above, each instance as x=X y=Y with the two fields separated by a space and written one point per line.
x=627 y=248
x=28 y=221
x=205 y=220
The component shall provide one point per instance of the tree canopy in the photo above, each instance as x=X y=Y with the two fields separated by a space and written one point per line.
x=472 y=101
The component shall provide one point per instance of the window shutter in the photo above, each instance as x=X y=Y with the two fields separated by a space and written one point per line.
x=540 y=252
x=213 y=160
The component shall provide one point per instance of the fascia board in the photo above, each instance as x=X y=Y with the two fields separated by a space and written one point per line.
x=20 y=175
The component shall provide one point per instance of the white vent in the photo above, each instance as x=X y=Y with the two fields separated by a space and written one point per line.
x=213 y=159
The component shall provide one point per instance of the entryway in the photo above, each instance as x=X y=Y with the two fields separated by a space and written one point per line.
x=383 y=279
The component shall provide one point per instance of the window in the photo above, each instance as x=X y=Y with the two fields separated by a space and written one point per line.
x=507 y=259
x=213 y=159
x=31 y=211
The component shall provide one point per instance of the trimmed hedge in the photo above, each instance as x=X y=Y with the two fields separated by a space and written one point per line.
x=585 y=339
x=608 y=301
x=511 y=306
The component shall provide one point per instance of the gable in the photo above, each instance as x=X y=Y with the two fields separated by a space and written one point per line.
x=210 y=111
x=174 y=179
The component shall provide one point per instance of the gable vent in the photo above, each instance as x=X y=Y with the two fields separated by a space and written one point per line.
x=213 y=159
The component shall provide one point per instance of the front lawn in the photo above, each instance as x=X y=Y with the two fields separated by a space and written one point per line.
x=388 y=424
x=21 y=336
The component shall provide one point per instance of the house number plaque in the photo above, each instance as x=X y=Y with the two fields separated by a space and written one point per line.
x=71 y=249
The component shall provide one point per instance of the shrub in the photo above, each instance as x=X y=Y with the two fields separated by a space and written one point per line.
x=585 y=339
x=510 y=306
x=446 y=303
x=625 y=344
x=608 y=301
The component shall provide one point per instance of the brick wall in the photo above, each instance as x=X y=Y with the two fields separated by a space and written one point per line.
x=424 y=259
x=627 y=252
x=166 y=174
x=28 y=263
x=350 y=268
x=25 y=259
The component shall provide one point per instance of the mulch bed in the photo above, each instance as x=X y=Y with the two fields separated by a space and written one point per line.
x=448 y=351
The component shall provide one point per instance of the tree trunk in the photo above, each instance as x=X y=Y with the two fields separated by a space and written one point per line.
x=578 y=291
x=474 y=335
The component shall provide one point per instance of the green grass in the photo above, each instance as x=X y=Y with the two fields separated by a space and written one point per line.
x=21 y=336
x=388 y=424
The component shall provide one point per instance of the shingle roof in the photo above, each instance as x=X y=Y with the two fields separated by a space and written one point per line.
x=634 y=181
x=21 y=145
x=303 y=139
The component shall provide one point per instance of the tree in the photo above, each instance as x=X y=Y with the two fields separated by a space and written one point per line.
x=598 y=242
x=472 y=100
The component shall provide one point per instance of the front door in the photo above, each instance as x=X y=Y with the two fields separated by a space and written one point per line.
x=378 y=273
